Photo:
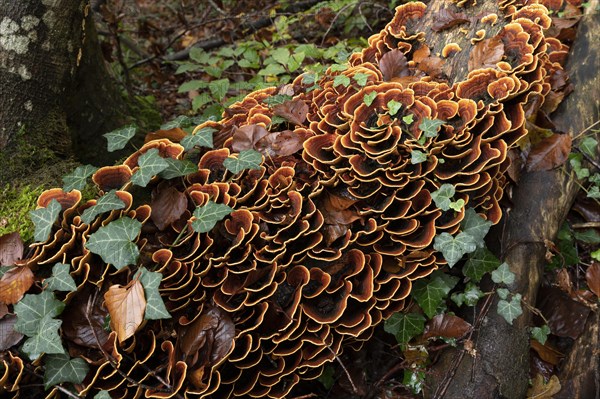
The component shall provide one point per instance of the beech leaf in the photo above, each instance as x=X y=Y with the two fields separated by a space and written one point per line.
x=126 y=306
x=61 y=280
x=108 y=202
x=61 y=368
x=446 y=19
x=486 y=54
x=168 y=204
x=592 y=277
x=155 y=307
x=393 y=64
x=150 y=164
x=113 y=242
x=246 y=137
x=77 y=180
x=247 y=159
x=200 y=138
x=208 y=215
x=118 y=139
x=549 y=153
x=177 y=168
x=43 y=219
x=294 y=111
x=447 y=326
x=11 y=248
x=405 y=326
x=15 y=283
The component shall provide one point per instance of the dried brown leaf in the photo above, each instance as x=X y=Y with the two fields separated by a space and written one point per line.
x=565 y=317
x=176 y=135
x=245 y=137
x=592 y=277
x=14 y=284
x=446 y=325
x=85 y=326
x=446 y=19
x=3 y=310
x=393 y=64
x=546 y=352
x=486 y=54
x=11 y=249
x=9 y=337
x=432 y=66
x=208 y=339
x=549 y=153
x=543 y=390
x=168 y=204
x=126 y=306
x=293 y=110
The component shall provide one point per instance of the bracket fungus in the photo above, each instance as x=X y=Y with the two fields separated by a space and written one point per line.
x=323 y=238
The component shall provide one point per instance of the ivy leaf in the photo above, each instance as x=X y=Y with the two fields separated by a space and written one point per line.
x=480 y=262
x=341 y=80
x=279 y=98
x=361 y=78
x=118 y=139
x=247 y=159
x=33 y=308
x=155 y=307
x=201 y=138
x=470 y=296
x=430 y=293
x=503 y=293
x=453 y=248
x=181 y=120
x=43 y=219
x=368 y=98
x=177 y=168
x=208 y=215
x=61 y=280
x=327 y=377
x=408 y=119
x=102 y=395
x=540 y=334
x=457 y=205
x=503 y=275
x=594 y=192
x=45 y=340
x=394 y=106
x=405 y=326
x=430 y=127
x=113 y=242
x=338 y=67
x=510 y=310
x=77 y=180
x=150 y=164
x=417 y=156
x=475 y=226
x=588 y=146
x=61 y=368
x=442 y=196
x=218 y=88
x=108 y=202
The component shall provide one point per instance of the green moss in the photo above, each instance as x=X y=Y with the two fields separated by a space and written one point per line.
x=15 y=205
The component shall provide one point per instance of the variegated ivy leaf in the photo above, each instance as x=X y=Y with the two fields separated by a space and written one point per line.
x=108 y=202
x=150 y=164
x=77 y=180
x=61 y=280
x=417 y=156
x=394 y=106
x=361 y=78
x=118 y=139
x=369 y=98
x=247 y=159
x=113 y=242
x=443 y=196
x=480 y=262
x=475 y=226
x=45 y=340
x=177 y=168
x=33 y=308
x=180 y=121
x=341 y=80
x=155 y=307
x=201 y=138
x=454 y=248
x=430 y=127
x=44 y=218
x=457 y=205
x=503 y=275
x=510 y=310
x=208 y=215
x=61 y=368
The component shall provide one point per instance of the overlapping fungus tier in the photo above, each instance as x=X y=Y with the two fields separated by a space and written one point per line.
x=323 y=243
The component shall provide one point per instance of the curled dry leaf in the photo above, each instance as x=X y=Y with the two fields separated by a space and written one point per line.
x=446 y=19
x=85 y=326
x=168 y=204
x=393 y=64
x=11 y=249
x=541 y=390
x=293 y=110
x=280 y=143
x=546 y=352
x=446 y=325
x=14 y=284
x=176 y=135
x=126 y=306
x=592 y=277
x=486 y=54
x=208 y=339
x=245 y=137
x=432 y=66
x=549 y=153
x=9 y=337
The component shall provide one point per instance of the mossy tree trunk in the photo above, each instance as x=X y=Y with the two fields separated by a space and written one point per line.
x=57 y=98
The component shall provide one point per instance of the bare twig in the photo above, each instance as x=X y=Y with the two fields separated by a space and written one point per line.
x=333 y=21
x=354 y=389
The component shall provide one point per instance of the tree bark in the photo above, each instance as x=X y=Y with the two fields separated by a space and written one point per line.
x=541 y=202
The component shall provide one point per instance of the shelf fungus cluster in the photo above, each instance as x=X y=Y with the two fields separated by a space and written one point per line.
x=324 y=237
